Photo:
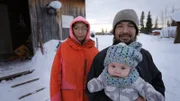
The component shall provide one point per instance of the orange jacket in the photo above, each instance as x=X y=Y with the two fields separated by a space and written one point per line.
x=71 y=65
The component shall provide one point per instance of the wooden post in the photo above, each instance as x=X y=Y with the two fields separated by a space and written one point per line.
x=40 y=38
x=177 y=38
x=97 y=43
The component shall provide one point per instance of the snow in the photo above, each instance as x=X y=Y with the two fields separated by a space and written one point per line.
x=167 y=32
x=176 y=16
x=165 y=54
x=55 y=4
x=156 y=31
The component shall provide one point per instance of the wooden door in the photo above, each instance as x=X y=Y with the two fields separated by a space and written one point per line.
x=5 y=34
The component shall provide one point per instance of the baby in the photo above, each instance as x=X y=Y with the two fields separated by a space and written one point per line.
x=119 y=79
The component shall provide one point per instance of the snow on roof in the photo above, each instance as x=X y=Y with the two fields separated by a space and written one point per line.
x=156 y=31
x=176 y=16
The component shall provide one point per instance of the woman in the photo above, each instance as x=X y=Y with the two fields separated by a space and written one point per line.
x=72 y=63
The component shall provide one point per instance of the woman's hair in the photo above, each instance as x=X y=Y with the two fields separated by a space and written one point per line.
x=77 y=22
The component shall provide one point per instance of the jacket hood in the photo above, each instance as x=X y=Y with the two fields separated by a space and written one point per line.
x=79 y=19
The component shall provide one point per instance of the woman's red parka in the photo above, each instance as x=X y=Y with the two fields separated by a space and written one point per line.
x=70 y=67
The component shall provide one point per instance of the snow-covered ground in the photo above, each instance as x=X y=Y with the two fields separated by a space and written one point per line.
x=165 y=54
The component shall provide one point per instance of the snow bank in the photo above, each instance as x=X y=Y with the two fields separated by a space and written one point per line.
x=168 y=32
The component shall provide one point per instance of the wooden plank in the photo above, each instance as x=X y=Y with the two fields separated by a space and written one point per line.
x=29 y=81
x=16 y=75
x=31 y=93
x=48 y=25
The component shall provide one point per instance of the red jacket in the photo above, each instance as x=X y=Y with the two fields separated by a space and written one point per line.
x=70 y=68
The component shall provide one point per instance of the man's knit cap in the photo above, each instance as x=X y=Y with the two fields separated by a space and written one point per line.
x=126 y=15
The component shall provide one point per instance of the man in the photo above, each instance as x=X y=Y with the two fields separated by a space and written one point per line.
x=125 y=29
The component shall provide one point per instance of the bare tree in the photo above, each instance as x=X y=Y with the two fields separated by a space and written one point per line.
x=173 y=23
x=162 y=17
x=165 y=15
x=173 y=10
x=156 y=23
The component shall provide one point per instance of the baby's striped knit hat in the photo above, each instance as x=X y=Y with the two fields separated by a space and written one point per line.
x=125 y=54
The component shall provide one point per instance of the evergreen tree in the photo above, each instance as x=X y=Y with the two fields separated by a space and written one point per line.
x=142 y=22
x=156 y=23
x=106 y=30
x=149 y=23
x=173 y=23
x=102 y=31
x=168 y=23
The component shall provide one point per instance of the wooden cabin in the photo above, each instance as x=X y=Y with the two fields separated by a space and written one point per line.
x=176 y=17
x=28 y=20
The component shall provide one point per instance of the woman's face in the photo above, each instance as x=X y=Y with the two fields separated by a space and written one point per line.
x=80 y=30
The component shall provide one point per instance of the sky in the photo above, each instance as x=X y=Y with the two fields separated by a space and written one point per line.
x=100 y=13
x=164 y=53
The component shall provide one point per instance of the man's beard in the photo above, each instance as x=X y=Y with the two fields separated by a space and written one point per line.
x=116 y=41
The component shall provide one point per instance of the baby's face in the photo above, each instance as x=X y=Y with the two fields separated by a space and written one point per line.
x=118 y=69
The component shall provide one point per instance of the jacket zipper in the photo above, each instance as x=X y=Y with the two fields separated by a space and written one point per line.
x=85 y=66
